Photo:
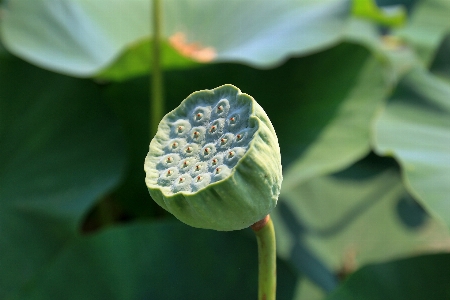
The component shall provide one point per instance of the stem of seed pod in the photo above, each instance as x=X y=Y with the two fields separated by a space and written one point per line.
x=157 y=99
x=265 y=236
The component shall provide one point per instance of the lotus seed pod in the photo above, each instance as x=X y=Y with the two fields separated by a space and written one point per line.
x=215 y=162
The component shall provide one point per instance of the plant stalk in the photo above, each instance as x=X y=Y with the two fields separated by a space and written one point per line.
x=267 y=274
x=156 y=98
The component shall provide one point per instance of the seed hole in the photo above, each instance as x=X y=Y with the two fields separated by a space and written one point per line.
x=175 y=145
x=199 y=178
x=233 y=120
x=214 y=161
x=169 y=159
x=181 y=180
x=223 y=141
x=188 y=149
x=231 y=154
x=213 y=128
x=218 y=170
x=180 y=128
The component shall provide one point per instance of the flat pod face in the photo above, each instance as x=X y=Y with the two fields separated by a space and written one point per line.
x=200 y=134
x=197 y=149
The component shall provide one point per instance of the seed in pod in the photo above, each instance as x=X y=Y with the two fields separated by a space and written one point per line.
x=228 y=175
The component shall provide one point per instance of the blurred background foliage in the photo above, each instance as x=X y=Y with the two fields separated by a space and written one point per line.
x=358 y=92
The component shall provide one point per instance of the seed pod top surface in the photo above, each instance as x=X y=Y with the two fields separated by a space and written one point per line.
x=215 y=161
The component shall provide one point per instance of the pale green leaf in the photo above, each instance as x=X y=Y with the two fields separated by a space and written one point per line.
x=343 y=221
x=415 y=129
x=83 y=37
x=427 y=26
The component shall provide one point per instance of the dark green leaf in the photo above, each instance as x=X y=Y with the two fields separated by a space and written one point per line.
x=167 y=260
x=441 y=62
x=129 y=100
x=60 y=151
x=422 y=277
x=357 y=91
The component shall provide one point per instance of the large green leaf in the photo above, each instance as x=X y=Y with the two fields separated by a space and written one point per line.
x=343 y=221
x=83 y=37
x=60 y=151
x=162 y=260
x=415 y=129
x=422 y=277
x=261 y=33
x=73 y=37
x=346 y=136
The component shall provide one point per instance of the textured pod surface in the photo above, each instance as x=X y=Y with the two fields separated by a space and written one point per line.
x=215 y=161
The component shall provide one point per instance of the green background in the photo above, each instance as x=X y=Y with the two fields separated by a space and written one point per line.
x=359 y=97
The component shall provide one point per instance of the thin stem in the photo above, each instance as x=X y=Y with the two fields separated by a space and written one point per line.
x=156 y=99
x=267 y=276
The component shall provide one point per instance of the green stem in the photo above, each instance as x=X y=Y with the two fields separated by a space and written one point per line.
x=267 y=277
x=156 y=99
